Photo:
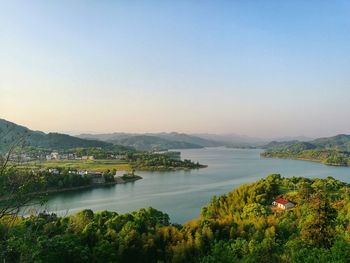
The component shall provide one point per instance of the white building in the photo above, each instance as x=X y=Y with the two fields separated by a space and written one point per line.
x=54 y=171
x=283 y=203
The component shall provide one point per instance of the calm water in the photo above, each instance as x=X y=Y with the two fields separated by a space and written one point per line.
x=181 y=194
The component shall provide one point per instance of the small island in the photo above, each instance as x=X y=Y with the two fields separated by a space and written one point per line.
x=165 y=161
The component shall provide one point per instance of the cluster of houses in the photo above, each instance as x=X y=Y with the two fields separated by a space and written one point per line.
x=67 y=156
x=96 y=177
x=53 y=156
x=73 y=156
x=21 y=157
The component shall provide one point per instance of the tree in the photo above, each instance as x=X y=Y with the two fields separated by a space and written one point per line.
x=16 y=185
x=317 y=226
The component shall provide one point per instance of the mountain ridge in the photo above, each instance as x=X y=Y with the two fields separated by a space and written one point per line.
x=154 y=141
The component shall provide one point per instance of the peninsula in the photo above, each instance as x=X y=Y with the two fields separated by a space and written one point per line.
x=333 y=151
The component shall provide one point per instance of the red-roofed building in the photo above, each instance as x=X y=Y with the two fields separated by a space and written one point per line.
x=283 y=203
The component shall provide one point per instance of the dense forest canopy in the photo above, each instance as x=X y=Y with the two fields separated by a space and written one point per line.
x=240 y=226
x=160 y=162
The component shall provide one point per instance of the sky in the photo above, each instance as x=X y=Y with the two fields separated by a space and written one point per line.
x=256 y=68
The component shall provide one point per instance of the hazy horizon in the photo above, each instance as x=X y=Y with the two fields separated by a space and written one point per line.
x=259 y=69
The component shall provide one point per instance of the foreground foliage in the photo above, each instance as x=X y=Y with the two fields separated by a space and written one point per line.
x=237 y=227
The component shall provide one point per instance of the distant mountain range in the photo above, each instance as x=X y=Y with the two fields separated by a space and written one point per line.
x=11 y=133
x=154 y=141
x=148 y=142
x=174 y=140
x=234 y=140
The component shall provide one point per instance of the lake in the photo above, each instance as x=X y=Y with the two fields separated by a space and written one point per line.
x=181 y=194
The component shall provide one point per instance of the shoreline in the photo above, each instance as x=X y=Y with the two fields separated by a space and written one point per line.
x=304 y=159
x=169 y=169
x=118 y=180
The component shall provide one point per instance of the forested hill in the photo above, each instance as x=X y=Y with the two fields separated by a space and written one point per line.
x=11 y=133
x=340 y=142
x=332 y=150
x=241 y=226
x=280 y=144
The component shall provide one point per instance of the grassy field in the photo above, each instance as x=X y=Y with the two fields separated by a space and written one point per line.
x=91 y=165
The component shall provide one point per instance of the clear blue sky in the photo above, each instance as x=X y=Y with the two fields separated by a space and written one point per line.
x=260 y=68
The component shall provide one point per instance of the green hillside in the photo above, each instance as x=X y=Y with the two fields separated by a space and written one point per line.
x=11 y=133
x=339 y=142
x=279 y=144
x=331 y=150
